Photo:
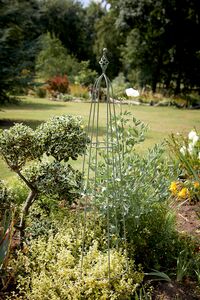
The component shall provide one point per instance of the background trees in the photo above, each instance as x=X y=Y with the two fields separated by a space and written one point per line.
x=54 y=59
x=161 y=43
x=65 y=19
x=152 y=42
x=20 y=28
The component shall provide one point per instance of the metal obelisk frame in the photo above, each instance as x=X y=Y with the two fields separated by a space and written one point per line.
x=106 y=183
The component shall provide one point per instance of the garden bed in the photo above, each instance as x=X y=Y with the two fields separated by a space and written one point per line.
x=187 y=290
x=188 y=219
x=188 y=223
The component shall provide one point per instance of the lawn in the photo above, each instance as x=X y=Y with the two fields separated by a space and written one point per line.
x=161 y=120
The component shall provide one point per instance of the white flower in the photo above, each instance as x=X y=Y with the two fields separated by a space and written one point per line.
x=191 y=134
x=183 y=150
x=132 y=92
x=193 y=137
x=190 y=148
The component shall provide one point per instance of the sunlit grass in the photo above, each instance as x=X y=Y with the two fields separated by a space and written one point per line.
x=161 y=120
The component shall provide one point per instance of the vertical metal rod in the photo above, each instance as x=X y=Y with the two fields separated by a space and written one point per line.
x=108 y=175
x=113 y=171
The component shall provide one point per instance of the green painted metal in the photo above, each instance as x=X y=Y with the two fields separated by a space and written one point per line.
x=109 y=148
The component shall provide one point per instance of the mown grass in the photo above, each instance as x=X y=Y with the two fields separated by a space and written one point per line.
x=162 y=121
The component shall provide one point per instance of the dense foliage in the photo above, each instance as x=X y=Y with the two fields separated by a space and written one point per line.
x=54 y=59
x=51 y=268
x=20 y=28
x=66 y=250
x=140 y=197
x=159 y=44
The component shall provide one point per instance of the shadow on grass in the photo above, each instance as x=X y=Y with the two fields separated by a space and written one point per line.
x=6 y=123
x=33 y=106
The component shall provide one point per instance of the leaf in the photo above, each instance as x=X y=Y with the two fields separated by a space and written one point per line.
x=160 y=275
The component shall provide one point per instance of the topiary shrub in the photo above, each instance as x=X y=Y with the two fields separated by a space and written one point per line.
x=61 y=138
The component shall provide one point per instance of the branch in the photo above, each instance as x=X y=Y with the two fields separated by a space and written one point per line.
x=29 y=201
x=25 y=180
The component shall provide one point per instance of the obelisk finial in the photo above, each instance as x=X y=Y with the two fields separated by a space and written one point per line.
x=104 y=61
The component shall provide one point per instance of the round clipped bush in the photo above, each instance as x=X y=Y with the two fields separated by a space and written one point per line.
x=63 y=137
x=18 y=145
x=55 y=179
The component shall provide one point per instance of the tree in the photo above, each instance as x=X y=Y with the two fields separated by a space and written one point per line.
x=61 y=138
x=143 y=22
x=85 y=76
x=66 y=20
x=19 y=30
x=183 y=61
x=161 y=35
x=94 y=12
x=54 y=59
x=108 y=37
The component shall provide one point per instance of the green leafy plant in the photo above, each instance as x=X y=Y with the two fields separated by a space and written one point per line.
x=66 y=97
x=197 y=269
x=157 y=275
x=5 y=236
x=40 y=92
x=144 y=293
x=119 y=86
x=183 y=265
x=62 y=138
x=150 y=226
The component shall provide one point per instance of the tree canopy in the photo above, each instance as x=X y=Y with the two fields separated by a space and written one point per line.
x=20 y=28
x=161 y=40
x=151 y=42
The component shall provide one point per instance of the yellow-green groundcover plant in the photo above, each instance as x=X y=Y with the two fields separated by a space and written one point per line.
x=50 y=270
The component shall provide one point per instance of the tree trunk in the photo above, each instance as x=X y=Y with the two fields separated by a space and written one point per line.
x=178 y=84
x=156 y=74
x=29 y=201
x=25 y=211
x=154 y=84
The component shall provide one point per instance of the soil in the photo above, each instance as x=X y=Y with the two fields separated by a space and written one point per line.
x=176 y=291
x=188 y=222
x=188 y=219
